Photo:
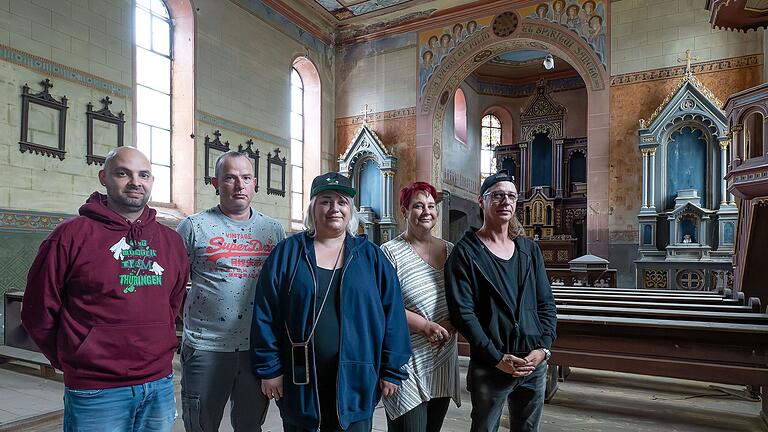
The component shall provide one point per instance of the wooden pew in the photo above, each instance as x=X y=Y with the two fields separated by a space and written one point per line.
x=740 y=317
x=727 y=293
x=650 y=298
x=670 y=294
x=661 y=305
x=722 y=352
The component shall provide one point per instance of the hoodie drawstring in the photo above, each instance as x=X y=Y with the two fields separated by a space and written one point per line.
x=134 y=232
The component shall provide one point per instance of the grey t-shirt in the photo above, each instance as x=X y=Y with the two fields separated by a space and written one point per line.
x=225 y=257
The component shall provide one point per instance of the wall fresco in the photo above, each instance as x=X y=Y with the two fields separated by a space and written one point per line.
x=587 y=19
x=435 y=45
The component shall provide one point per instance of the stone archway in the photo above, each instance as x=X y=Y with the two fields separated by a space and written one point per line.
x=529 y=34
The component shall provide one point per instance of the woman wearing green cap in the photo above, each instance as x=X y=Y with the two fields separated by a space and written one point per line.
x=329 y=332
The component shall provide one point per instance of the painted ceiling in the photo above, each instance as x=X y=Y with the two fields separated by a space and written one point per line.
x=520 y=56
x=522 y=66
x=345 y=9
x=364 y=11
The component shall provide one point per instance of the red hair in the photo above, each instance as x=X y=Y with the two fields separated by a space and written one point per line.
x=407 y=193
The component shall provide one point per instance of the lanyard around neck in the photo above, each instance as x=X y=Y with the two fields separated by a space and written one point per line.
x=322 y=304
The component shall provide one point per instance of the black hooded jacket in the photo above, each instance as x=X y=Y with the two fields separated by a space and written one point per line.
x=481 y=310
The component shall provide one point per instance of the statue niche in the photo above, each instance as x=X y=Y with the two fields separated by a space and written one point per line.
x=371 y=168
x=550 y=169
x=687 y=216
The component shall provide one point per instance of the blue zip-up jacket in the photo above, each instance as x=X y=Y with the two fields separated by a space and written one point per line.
x=374 y=340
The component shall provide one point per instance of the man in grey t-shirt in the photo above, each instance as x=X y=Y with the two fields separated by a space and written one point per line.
x=227 y=245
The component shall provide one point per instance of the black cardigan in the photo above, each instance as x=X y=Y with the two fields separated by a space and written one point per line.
x=483 y=314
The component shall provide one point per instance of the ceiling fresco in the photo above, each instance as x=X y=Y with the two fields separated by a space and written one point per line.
x=346 y=9
x=522 y=66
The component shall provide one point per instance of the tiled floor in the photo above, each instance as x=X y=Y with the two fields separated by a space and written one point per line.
x=589 y=401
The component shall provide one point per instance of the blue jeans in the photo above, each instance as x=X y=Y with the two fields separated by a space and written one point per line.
x=490 y=388
x=149 y=407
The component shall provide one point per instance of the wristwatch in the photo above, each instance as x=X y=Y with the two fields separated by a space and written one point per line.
x=547 y=353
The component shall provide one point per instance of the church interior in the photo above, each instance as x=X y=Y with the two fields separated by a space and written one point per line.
x=637 y=131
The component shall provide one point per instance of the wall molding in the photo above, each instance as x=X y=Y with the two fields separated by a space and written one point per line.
x=679 y=71
x=524 y=89
x=377 y=116
x=623 y=237
x=30 y=221
x=242 y=129
x=58 y=70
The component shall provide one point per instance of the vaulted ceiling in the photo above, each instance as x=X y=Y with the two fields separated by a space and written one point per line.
x=522 y=66
x=344 y=17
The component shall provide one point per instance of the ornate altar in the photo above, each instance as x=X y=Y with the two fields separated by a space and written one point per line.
x=551 y=173
x=371 y=167
x=686 y=221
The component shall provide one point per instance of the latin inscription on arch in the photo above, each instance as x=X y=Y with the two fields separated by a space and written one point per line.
x=565 y=40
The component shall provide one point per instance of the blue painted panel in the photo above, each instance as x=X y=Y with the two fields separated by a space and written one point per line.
x=687 y=226
x=370 y=186
x=520 y=56
x=509 y=165
x=728 y=233
x=578 y=168
x=647 y=235
x=686 y=164
x=541 y=161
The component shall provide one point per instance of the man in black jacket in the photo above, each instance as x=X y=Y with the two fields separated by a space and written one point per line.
x=500 y=300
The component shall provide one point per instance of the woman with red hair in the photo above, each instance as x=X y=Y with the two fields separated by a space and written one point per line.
x=418 y=257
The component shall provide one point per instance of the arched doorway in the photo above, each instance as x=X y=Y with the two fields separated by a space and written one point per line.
x=508 y=32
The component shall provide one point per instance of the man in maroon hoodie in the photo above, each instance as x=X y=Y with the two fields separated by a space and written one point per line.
x=101 y=300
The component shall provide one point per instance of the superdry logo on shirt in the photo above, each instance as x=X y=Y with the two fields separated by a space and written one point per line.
x=240 y=251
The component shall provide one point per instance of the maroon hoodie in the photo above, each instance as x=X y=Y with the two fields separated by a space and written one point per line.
x=102 y=297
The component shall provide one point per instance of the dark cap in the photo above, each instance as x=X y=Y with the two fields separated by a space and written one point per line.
x=500 y=176
x=332 y=182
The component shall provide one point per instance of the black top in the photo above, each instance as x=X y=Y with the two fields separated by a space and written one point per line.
x=328 y=328
x=480 y=305
x=510 y=272
x=326 y=341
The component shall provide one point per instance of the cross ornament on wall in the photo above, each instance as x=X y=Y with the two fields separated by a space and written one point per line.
x=366 y=111
x=687 y=60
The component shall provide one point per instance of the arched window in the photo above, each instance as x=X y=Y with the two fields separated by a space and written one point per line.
x=297 y=150
x=490 y=137
x=154 y=54
x=305 y=136
x=460 y=116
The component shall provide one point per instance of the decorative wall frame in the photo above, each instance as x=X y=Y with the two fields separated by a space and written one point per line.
x=275 y=160
x=45 y=99
x=209 y=145
x=106 y=116
x=248 y=151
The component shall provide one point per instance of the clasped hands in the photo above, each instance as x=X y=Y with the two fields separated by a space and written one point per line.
x=273 y=388
x=438 y=334
x=521 y=367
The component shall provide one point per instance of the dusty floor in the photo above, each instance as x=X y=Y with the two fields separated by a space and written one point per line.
x=587 y=401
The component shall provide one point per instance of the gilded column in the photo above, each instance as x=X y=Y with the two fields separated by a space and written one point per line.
x=523 y=170
x=645 y=177
x=652 y=177
x=739 y=144
x=724 y=199
x=387 y=223
x=559 y=166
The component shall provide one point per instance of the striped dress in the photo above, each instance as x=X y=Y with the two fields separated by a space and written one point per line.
x=433 y=372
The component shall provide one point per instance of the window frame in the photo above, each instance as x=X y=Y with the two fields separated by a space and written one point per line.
x=490 y=147
x=136 y=84
x=297 y=224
